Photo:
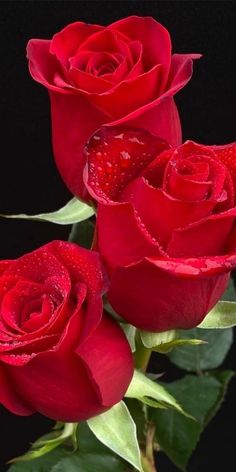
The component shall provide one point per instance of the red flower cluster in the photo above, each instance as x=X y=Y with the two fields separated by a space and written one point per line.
x=165 y=228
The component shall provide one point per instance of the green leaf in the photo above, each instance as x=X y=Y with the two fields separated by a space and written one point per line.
x=223 y=377
x=206 y=356
x=89 y=463
x=87 y=441
x=222 y=316
x=116 y=429
x=44 y=445
x=82 y=233
x=41 y=464
x=73 y=212
x=151 y=393
x=138 y=412
x=178 y=435
x=130 y=332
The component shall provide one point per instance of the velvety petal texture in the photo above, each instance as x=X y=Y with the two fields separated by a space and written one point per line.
x=165 y=225
x=121 y=74
x=59 y=354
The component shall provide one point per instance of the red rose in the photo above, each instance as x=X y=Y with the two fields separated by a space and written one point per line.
x=58 y=354
x=120 y=74
x=165 y=225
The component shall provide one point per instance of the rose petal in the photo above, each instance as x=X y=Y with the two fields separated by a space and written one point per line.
x=161 y=118
x=135 y=92
x=227 y=155
x=43 y=66
x=90 y=83
x=102 y=63
x=57 y=386
x=208 y=237
x=121 y=238
x=161 y=213
x=136 y=69
x=65 y=43
x=116 y=156
x=84 y=265
x=152 y=34
x=181 y=70
x=38 y=266
x=10 y=397
x=67 y=142
x=184 y=188
x=162 y=295
x=4 y=265
x=162 y=108
x=108 y=358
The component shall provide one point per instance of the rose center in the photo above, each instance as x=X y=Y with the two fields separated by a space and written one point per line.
x=188 y=179
x=37 y=312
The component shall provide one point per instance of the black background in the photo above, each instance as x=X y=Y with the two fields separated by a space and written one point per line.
x=30 y=183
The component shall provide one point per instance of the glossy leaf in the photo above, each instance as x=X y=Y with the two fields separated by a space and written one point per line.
x=178 y=435
x=88 y=442
x=223 y=377
x=116 y=429
x=41 y=464
x=206 y=356
x=89 y=463
x=151 y=393
x=222 y=316
x=73 y=212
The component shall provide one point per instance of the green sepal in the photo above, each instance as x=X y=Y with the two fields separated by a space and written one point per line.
x=130 y=333
x=166 y=341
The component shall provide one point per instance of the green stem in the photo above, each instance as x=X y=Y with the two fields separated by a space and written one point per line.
x=142 y=354
x=147 y=465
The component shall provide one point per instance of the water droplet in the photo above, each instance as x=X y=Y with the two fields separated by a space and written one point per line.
x=125 y=159
x=109 y=167
x=135 y=140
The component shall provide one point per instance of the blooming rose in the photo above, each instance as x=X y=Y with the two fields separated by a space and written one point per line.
x=165 y=225
x=58 y=354
x=122 y=73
